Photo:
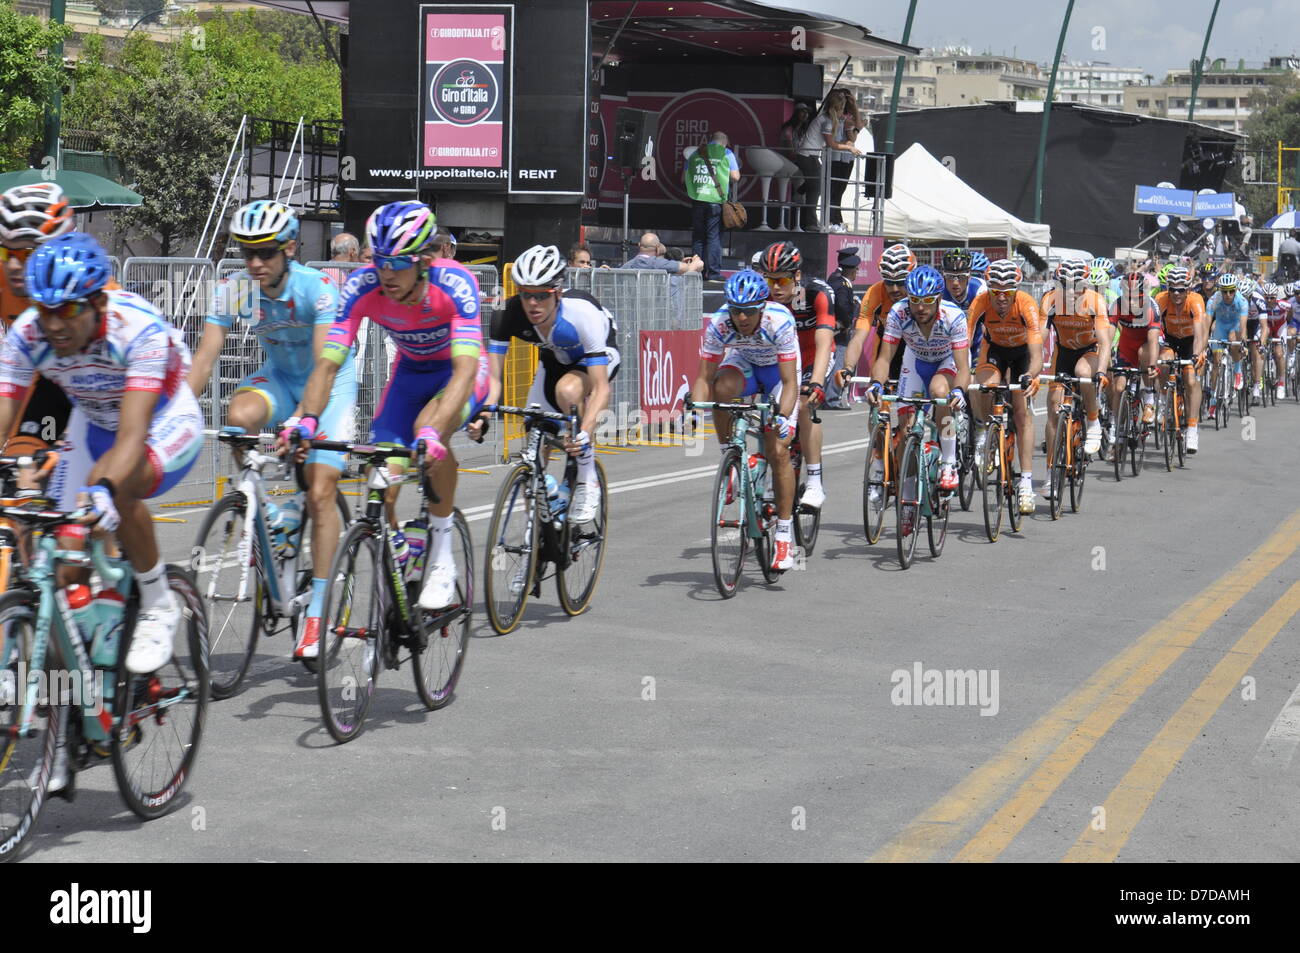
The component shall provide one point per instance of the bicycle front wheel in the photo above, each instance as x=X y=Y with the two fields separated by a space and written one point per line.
x=514 y=538
x=26 y=761
x=727 y=530
x=994 y=494
x=1168 y=436
x=807 y=520
x=1060 y=455
x=583 y=545
x=875 y=489
x=936 y=524
x=220 y=559
x=1123 y=417
x=443 y=636
x=351 y=632
x=158 y=718
x=908 y=511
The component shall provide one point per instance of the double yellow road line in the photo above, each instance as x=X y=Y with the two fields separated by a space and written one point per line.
x=1036 y=763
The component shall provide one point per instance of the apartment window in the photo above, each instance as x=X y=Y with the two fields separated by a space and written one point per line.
x=1143 y=103
x=911 y=90
x=868 y=66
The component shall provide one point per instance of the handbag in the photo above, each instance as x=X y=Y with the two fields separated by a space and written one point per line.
x=733 y=213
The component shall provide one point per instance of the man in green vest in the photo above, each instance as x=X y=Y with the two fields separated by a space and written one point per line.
x=709 y=175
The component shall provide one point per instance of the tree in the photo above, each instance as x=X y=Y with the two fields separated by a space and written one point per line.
x=173 y=133
x=1275 y=116
x=29 y=78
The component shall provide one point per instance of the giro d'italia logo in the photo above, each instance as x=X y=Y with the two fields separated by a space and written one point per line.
x=464 y=92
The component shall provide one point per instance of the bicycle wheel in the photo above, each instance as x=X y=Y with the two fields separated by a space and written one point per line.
x=1180 y=429
x=1243 y=401
x=218 y=566
x=873 y=514
x=766 y=549
x=994 y=495
x=351 y=627
x=1168 y=430
x=965 y=473
x=1012 y=483
x=727 y=534
x=306 y=569
x=514 y=538
x=26 y=761
x=158 y=718
x=936 y=525
x=1137 y=446
x=1059 y=457
x=584 y=546
x=1122 y=416
x=908 y=510
x=1078 y=472
x=438 y=652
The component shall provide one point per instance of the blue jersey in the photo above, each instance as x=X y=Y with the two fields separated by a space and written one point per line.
x=285 y=325
x=973 y=287
x=1226 y=315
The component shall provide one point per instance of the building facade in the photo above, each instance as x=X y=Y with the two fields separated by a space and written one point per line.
x=1224 y=98
x=948 y=77
x=1095 y=83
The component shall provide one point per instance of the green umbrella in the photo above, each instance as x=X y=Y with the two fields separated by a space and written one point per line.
x=83 y=189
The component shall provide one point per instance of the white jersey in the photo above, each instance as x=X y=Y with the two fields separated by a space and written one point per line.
x=947 y=335
x=134 y=349
x=775 y=340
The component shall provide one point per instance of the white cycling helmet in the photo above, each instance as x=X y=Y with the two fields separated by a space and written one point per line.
x=263 y=221
x=1247 y=286
x=36 y=212
x=1270 y=290
x=541 y=266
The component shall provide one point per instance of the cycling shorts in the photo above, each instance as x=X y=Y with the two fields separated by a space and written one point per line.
x=916 y=374
x=1130 y=346
x=549 y=373
x=411 y=385
x=760 y=379
x=1011 y=362
x=1066 y=359
x=337 y=420
x=1182 y=347
x=1252 y=328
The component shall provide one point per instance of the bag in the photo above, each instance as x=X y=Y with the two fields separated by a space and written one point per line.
x=734 y=215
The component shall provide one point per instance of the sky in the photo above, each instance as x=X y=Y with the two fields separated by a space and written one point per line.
x=1157 y=36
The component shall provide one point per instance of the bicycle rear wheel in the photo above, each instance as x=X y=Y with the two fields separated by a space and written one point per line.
x=966 y=467
x=26 y=761
x=1012 y=492
x=514 y=538
x=908 y=510
x=158 y=718
x=217 y=566
x=351 y=629
x=583 y=545
x=1137 y=447
x=727 y=531
x=1078 y=473
x=873 y=514
x=1059 y=458
x=766 y=547
x=1169 y=428
x=1122 y=418
x=442 y=639
x=936 y=525
x=1180 y=428
x=994 y=495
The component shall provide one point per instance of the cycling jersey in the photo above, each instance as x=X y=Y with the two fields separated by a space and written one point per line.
x=947 y=334
x=1017 y=329
x=813 y=307
x=1084 y=324
x=759 y=356
x=1134 y=327
x=134 y=349
x=874 y=309
x=284 y=325
x=1226 y=314
x=1278 y=316
x=1180 y=322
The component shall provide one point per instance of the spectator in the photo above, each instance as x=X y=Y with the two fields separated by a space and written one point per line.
x=367 y=255
x=444 y=244
x=647 y=256
x=818 y=136
x=709 y=176
x=1288 y=257
x=579 y=256
x=848 y=122
x=345 y=247
x=846 y=312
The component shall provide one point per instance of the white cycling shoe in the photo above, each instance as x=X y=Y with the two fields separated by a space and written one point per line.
x=813 y=496
x=1193 y=439
x=1092 y=439
x=439 y=589
x=151 y=642
x=586 y=503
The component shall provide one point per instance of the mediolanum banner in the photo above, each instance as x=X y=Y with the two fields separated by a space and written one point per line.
x=465 y=114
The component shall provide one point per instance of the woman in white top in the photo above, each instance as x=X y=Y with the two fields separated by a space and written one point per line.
x=819 y=135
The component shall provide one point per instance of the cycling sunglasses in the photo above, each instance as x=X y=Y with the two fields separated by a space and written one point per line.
x=928 y=299
x=738 y=311
x=537 y=296
x=17 y=254
x=395 y=262
x=64 y=312
x=782 y=281
x=261 y=254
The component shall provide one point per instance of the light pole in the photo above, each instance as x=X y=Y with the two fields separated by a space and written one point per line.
x=1196 y=67
x=1047 y=115
x=898 y=80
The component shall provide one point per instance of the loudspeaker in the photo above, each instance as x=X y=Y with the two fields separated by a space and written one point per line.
x=633 y=130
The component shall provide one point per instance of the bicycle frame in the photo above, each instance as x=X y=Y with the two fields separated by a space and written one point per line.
x=923 y=426
x=741 y=426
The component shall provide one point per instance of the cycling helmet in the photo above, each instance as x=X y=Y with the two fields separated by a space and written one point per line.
x=401 y=228
x=263 y=221
x=1178 y=279
x=1003 y=274
x=979 y=262
x=1247 y=286
x=36 y=212
x=1227 y=281
x=924 y=281
x=1270 y=290
x=1207 y=272
x=1104 y=263
x=781 y=257
x=1098 y=277
x=956 y=261
x=71 y=267
x=1162 y=273
x=895 y=262
x=541 y=266
x=1073 y=271
x=745 y=289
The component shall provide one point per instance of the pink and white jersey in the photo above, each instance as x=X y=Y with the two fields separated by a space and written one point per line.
x=134 y=349
x=445 y=324
x=776 y=339
x=946 y=336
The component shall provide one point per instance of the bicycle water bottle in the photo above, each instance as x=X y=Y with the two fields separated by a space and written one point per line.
x=77 y=600
x=757 y=468
x=109 y=608
x=416 y=532
x=287 y=521
x=557 y=495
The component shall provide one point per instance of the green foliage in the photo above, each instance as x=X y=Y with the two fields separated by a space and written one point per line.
x=29 y=78
x=1275 y=116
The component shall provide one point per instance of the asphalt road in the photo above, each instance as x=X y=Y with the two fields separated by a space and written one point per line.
x=1139 y=664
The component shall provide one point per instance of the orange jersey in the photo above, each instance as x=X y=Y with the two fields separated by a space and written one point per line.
x=1019 y=327
x=11 y=304
x=1181 y=322
x=875 y=308
x=1086 y=323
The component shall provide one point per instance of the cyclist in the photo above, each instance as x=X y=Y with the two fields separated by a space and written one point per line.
x=959 y=286
x=812 y=302
x=895 y=263
x=1099 y=280
x=1138 y=348
x=1182 y=314
x=1228 y=311
x=1249 y=290
x=979 y=264
x=291 y=314
x=430 y=308
x=575 y=338
x=1208 y=281
x=1083 y=336
x=1277 y=314
x=750 y=346
x=124 y=366
x=936 y=362
x=1012 y=352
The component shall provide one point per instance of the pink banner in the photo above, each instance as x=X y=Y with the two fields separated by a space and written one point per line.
x=465 y=99
x=668 y=362
x=468 y=146
x=463 y=36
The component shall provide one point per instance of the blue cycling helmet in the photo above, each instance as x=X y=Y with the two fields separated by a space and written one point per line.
x=924 y=281
x=979 y=263
x=401 y=228
x=68 y=268
x=745 y=289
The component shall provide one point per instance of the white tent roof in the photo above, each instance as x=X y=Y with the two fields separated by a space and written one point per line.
x=924 y=190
